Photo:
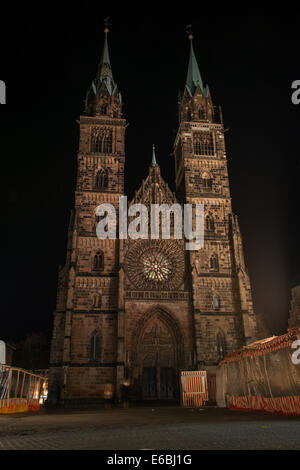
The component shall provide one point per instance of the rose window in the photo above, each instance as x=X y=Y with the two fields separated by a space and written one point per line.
x=152 y=265
x=156 y=266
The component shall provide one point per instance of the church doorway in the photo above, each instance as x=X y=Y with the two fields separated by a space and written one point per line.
x=149 y=383
x=157 y=358
x=158 y=383
x=167 y=381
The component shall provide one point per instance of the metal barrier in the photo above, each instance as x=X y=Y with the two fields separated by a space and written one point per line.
x=21 y=390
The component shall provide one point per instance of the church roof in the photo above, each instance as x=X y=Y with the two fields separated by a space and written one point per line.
x=154 y=189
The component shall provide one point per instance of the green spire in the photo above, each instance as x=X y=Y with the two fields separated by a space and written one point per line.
x=153 y=156
x=104 y=74
x=193 y=78
x=104 y=66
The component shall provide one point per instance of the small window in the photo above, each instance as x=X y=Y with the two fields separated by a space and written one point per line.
x=101 y=181
x=213 y=263
x=95 y=346
x=201 y=113
x=209 y=223
x=221 y=346
x=207 y=182
x=96 y=301
x=216 y=302
x=98 y=262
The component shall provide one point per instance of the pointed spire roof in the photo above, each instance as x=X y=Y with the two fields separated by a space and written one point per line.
x=104 y=66
x=153 y=156
x=193 y=79
x=104 y=74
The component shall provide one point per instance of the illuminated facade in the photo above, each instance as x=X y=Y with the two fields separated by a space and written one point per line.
x=147 y=309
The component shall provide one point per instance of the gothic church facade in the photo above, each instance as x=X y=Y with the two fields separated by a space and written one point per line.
x=148 y=309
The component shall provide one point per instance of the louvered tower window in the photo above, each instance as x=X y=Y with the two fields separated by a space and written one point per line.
x=203 y=143
x=101 y=140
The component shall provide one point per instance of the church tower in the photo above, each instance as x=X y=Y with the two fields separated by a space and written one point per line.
x=83 y=352
x=222 y=304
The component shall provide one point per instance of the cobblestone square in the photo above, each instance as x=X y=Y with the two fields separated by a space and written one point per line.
x=148 y=427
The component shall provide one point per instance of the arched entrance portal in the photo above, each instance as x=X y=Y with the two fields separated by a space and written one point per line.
x=158 y=349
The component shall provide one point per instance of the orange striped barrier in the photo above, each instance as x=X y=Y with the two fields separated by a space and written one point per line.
x=283 y=405
x=194 y=388
x=18 y=405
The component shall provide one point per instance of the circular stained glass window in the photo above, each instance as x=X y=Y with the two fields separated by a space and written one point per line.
x=155 y=265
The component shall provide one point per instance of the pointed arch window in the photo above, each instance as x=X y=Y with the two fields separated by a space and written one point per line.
x=216 y=302
x=96 y=141
x=96 y=300
x=221 y=346
x=107 y=142
x=95 y=346
x=214 y=263
x=209 y=223
x=101 y=181
x=101 y=140
x=201 y=113
x=98 y=261
x=203 y=143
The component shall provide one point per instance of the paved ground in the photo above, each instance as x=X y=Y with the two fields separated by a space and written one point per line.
x=148 y=427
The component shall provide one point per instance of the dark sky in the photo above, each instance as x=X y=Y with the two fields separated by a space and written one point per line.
x=249 y=63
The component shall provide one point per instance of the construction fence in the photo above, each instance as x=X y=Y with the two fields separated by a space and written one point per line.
x=21 y=390
x=193 y=388
x=262 y=376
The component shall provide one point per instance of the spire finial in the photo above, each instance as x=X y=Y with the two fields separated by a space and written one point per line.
x=153 y=156
x=106 y=25
x=188 y=29
x=104 y=66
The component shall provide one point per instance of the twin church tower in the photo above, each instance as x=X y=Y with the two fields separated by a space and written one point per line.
x=147 y=309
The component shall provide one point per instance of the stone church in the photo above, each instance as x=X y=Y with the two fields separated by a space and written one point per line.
x=147 y=309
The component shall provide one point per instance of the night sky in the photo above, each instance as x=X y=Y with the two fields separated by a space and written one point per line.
x=249 y=63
